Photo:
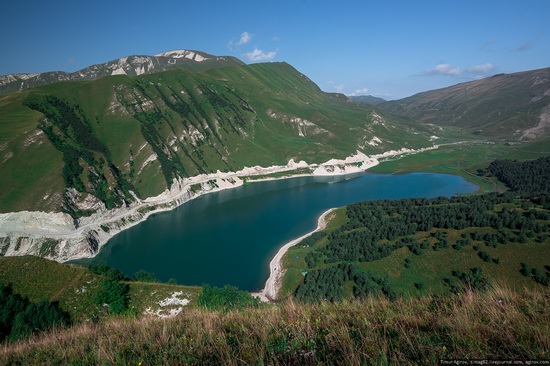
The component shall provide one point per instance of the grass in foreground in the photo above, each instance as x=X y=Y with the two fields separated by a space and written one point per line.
x=497 y=324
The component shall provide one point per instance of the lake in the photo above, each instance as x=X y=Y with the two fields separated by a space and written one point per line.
x=229 y=237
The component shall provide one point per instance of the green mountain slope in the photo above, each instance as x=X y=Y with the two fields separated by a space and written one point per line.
x=79 y=146
x=512 y=106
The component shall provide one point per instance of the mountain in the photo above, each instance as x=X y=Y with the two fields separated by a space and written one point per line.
x=88 y=158
x=117 y=136
x=369 y=99
x=130 y=65
x=509 y=106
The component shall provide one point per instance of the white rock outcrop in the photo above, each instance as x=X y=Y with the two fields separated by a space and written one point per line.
x=57 y=236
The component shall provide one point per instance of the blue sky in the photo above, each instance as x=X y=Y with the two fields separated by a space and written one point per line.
x=387 y=48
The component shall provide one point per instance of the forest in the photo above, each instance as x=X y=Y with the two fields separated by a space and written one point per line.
x=376 y=229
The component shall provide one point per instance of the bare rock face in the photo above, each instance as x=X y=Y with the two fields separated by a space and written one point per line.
x=84 y=201
x=35 y=222
x=541 y=129
x=37 y=233
x=302 y=126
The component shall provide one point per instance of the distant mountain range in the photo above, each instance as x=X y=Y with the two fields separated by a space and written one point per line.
x=369 y=99
x=511 y=106
x=130 y=65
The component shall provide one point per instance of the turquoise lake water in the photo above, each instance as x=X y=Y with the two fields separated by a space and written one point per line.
x=229 y=237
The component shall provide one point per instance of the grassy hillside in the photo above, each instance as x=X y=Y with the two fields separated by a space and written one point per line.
x=510 y=106
x=76 y=288
x=75 y=146
x=459 y=278
x=465 y=159
x=498 y=324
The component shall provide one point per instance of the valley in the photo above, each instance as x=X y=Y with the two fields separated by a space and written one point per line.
x=125 y=141
x=191 y=168
x=229 y=237
x=123 y=147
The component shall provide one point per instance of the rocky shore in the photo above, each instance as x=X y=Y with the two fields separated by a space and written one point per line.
x=57 y=236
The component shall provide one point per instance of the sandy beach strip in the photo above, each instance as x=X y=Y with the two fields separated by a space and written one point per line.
x=276 y=271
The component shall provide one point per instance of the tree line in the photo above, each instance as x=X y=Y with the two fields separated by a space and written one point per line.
x=530 y=178
x=378 y=228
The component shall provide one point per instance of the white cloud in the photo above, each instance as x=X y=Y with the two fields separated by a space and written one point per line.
x=450 y=70
x=357 y=92
x=337 y=88
x=259 y=55
x=245 y=38
x=481 y=69
x=445 y=69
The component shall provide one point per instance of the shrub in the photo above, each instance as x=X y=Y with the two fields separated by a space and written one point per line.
x=104 y=270
x=114 y=294
x=484 y=256
x=525 y=270
x=472 y=280
x=143 y=276
x=37 y=318
x=225 y=298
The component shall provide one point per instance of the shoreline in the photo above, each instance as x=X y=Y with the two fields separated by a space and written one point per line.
x=276 y=271
x=58 y=237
